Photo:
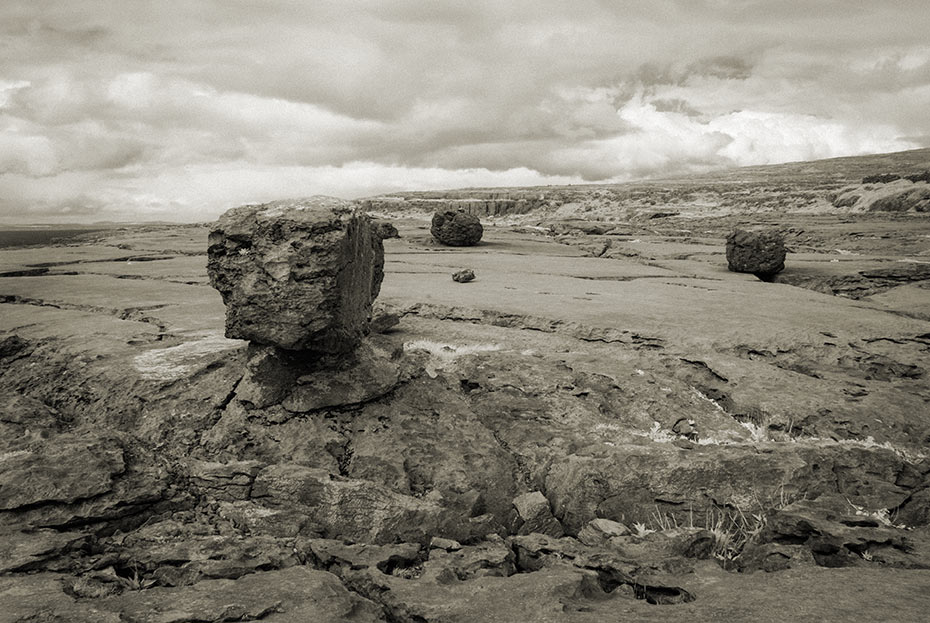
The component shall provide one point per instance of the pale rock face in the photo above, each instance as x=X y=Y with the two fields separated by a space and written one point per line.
x=297 y=274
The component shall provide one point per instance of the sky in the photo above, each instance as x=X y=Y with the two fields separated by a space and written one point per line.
x=178 y=110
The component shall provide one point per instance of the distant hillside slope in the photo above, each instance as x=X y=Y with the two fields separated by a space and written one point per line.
x=791 y=187
x=846 y=170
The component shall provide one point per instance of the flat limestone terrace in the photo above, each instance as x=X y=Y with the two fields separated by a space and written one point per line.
x=607 y=425
x=297 y=274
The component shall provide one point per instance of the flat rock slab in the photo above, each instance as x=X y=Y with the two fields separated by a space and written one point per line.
x=294 y=594
x=65 y=470
x=19 y=550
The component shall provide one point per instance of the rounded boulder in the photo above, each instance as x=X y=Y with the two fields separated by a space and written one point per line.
x=456 y=229
x=761 y=253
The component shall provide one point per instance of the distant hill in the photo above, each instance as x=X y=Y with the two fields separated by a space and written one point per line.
x=790 y=187
x=845 y=170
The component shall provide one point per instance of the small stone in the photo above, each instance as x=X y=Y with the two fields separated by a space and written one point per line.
x=536 y=516
x=299 y=274
x=761 y=253
x=463 y=276
x=437 y=542
x=599 y=531
x=456 y=229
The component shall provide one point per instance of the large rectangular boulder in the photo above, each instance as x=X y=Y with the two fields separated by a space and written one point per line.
x=297 y=274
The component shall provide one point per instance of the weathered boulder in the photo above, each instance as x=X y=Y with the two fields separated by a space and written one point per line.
x=463 y=276
x=297 y=274
x=456 y=229
x=759 y=252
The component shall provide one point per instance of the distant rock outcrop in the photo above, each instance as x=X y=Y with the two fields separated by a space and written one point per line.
x=456 y=229
x=909 y=194
x=480 y=202
x=885 y=178
x=761 y=253
x=297 y=274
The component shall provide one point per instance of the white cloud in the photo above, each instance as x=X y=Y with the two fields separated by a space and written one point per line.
x=665 y=141
x=149 y=109
x=203 y=192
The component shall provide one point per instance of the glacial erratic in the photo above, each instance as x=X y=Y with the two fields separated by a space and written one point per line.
x=761 y=253
x=456 y=229
x=297 y=274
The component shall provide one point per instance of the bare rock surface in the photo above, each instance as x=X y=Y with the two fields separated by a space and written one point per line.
x=295 y=594
x=697 y=445
x=300 y=275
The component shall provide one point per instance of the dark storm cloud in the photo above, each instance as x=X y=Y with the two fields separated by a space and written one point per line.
x=171 y=108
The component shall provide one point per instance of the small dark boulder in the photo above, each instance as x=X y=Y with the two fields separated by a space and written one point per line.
x=464 y=275
x=761 y=253
x=385 y=229
x=12 y=345
x=456 y=229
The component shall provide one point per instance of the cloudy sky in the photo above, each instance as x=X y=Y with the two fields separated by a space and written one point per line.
x=179 y=109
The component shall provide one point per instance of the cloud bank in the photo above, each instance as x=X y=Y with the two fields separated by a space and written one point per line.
x=178 y=110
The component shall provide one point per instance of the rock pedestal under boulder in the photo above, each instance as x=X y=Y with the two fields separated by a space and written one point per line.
x=297 y=274
x=456 y=229
x=761 y=253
